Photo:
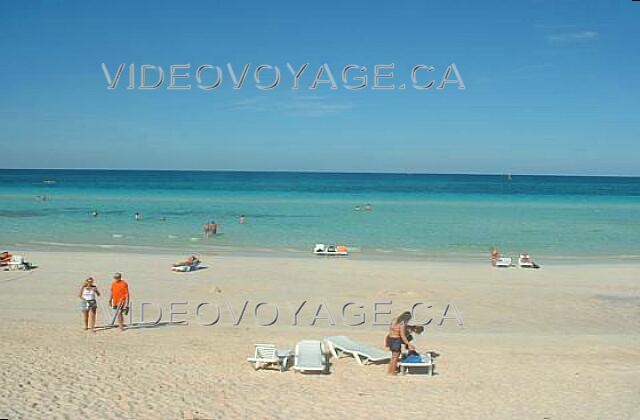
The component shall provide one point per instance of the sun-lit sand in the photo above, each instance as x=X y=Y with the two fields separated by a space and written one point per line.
x=556 y=343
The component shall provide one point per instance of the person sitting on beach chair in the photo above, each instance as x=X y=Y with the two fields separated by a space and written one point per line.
x=495 y=256
x=5 y=258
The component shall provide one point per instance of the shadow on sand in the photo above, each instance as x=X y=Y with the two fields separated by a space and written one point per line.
x=143 y=325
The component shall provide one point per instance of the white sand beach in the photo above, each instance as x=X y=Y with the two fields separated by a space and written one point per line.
x=556 y=343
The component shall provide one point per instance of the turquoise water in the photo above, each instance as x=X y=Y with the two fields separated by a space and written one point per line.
x=412 y=214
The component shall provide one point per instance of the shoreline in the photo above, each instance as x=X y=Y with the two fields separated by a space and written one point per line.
x=391 y=255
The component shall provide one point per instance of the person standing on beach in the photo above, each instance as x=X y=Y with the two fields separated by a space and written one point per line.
x=396 y=337
x=89 y=293
x=120 y=298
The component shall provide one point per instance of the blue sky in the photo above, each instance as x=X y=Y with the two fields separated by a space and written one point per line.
x=551 y=87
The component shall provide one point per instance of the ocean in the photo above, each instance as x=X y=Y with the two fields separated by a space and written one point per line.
x=412 y=215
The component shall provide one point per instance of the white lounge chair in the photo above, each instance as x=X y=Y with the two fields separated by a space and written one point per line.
x=426 y=363
x=322 y=249
x=267 y=354
x=17 y=262
x=503 y=262
x=187 y=267
x=309 y=357
x=525 y=261
x=364 y=354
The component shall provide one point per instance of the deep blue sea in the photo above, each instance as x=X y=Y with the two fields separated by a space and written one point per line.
x=421 y=215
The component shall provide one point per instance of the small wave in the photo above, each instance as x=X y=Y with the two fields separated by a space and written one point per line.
x=72 y=245
x=117 y=235
x=25 y=213
x=52 y=243
x=293 y=250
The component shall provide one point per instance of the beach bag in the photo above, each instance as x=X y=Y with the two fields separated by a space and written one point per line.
x=412 y=358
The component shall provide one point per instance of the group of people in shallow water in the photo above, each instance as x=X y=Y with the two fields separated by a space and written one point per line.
x=367 y=207
x=137 y=216
x=211 y=228
x=118 y=300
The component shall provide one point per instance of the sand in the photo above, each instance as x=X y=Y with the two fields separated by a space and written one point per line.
x=556 y=343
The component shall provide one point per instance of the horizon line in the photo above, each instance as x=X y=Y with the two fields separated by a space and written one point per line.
x=322 y=171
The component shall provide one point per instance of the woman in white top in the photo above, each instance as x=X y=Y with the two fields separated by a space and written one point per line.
x=89 y=293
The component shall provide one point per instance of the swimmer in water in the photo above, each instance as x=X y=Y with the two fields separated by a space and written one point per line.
x=368 y=207
x=95 y=213
x=137 y=217
x=242 y=219
x=210 y=229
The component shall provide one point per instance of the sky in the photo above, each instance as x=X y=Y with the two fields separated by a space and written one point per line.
x=551 y=87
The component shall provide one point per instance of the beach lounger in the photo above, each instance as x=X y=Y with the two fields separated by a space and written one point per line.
x=309 y=357
x=267 y=354
x=364 y=354
x=525 y=261
x=423 y=362
x=17 y=262
x=322 y=249
x=186 y=268
x=503 y=262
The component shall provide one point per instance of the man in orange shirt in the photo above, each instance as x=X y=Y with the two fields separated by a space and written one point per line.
x=120 y=298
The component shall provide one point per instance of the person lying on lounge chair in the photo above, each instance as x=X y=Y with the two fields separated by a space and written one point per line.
x=5 y=257
x=189 y=261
